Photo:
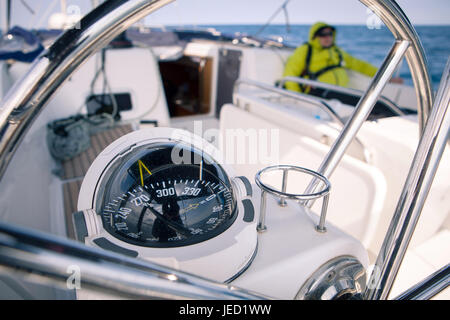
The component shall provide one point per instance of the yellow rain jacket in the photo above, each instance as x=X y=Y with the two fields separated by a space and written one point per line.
x=322 y=58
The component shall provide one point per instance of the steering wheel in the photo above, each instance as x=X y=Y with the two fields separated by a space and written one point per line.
x=54 y=66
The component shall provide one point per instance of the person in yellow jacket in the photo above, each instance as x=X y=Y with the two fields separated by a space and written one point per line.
x=322 y=60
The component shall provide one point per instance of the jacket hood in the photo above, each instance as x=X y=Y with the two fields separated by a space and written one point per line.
x=314 y=41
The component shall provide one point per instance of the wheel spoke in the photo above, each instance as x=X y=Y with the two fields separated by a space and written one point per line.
x=362 y=111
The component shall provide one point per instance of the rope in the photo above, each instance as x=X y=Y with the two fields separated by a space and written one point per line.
x=66 y=138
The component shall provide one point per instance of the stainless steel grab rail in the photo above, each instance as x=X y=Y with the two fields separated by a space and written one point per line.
x=37 y=256
x=295 y=95
x=391 y=105
x=302 y=97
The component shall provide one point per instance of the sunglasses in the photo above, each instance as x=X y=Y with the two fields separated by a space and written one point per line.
x=325 y=34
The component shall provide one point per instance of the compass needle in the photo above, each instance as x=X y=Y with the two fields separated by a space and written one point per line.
x=142 y=165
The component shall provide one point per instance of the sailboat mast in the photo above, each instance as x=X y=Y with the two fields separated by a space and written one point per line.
x=5 y=19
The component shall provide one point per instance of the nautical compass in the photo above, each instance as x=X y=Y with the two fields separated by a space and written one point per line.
x=162 y=195
x=150 y=201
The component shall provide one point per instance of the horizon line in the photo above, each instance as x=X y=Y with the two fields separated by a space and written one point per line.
x=294 y=24
x=291 y=24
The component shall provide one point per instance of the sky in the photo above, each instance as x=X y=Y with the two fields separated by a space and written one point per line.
x=198 y=12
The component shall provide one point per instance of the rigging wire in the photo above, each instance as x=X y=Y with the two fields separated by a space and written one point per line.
x=106 y=84
x=286 y=17
x=28 y=7
x=282 y=7
x=32 y=21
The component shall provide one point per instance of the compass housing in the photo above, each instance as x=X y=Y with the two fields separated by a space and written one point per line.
x=162 y=194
